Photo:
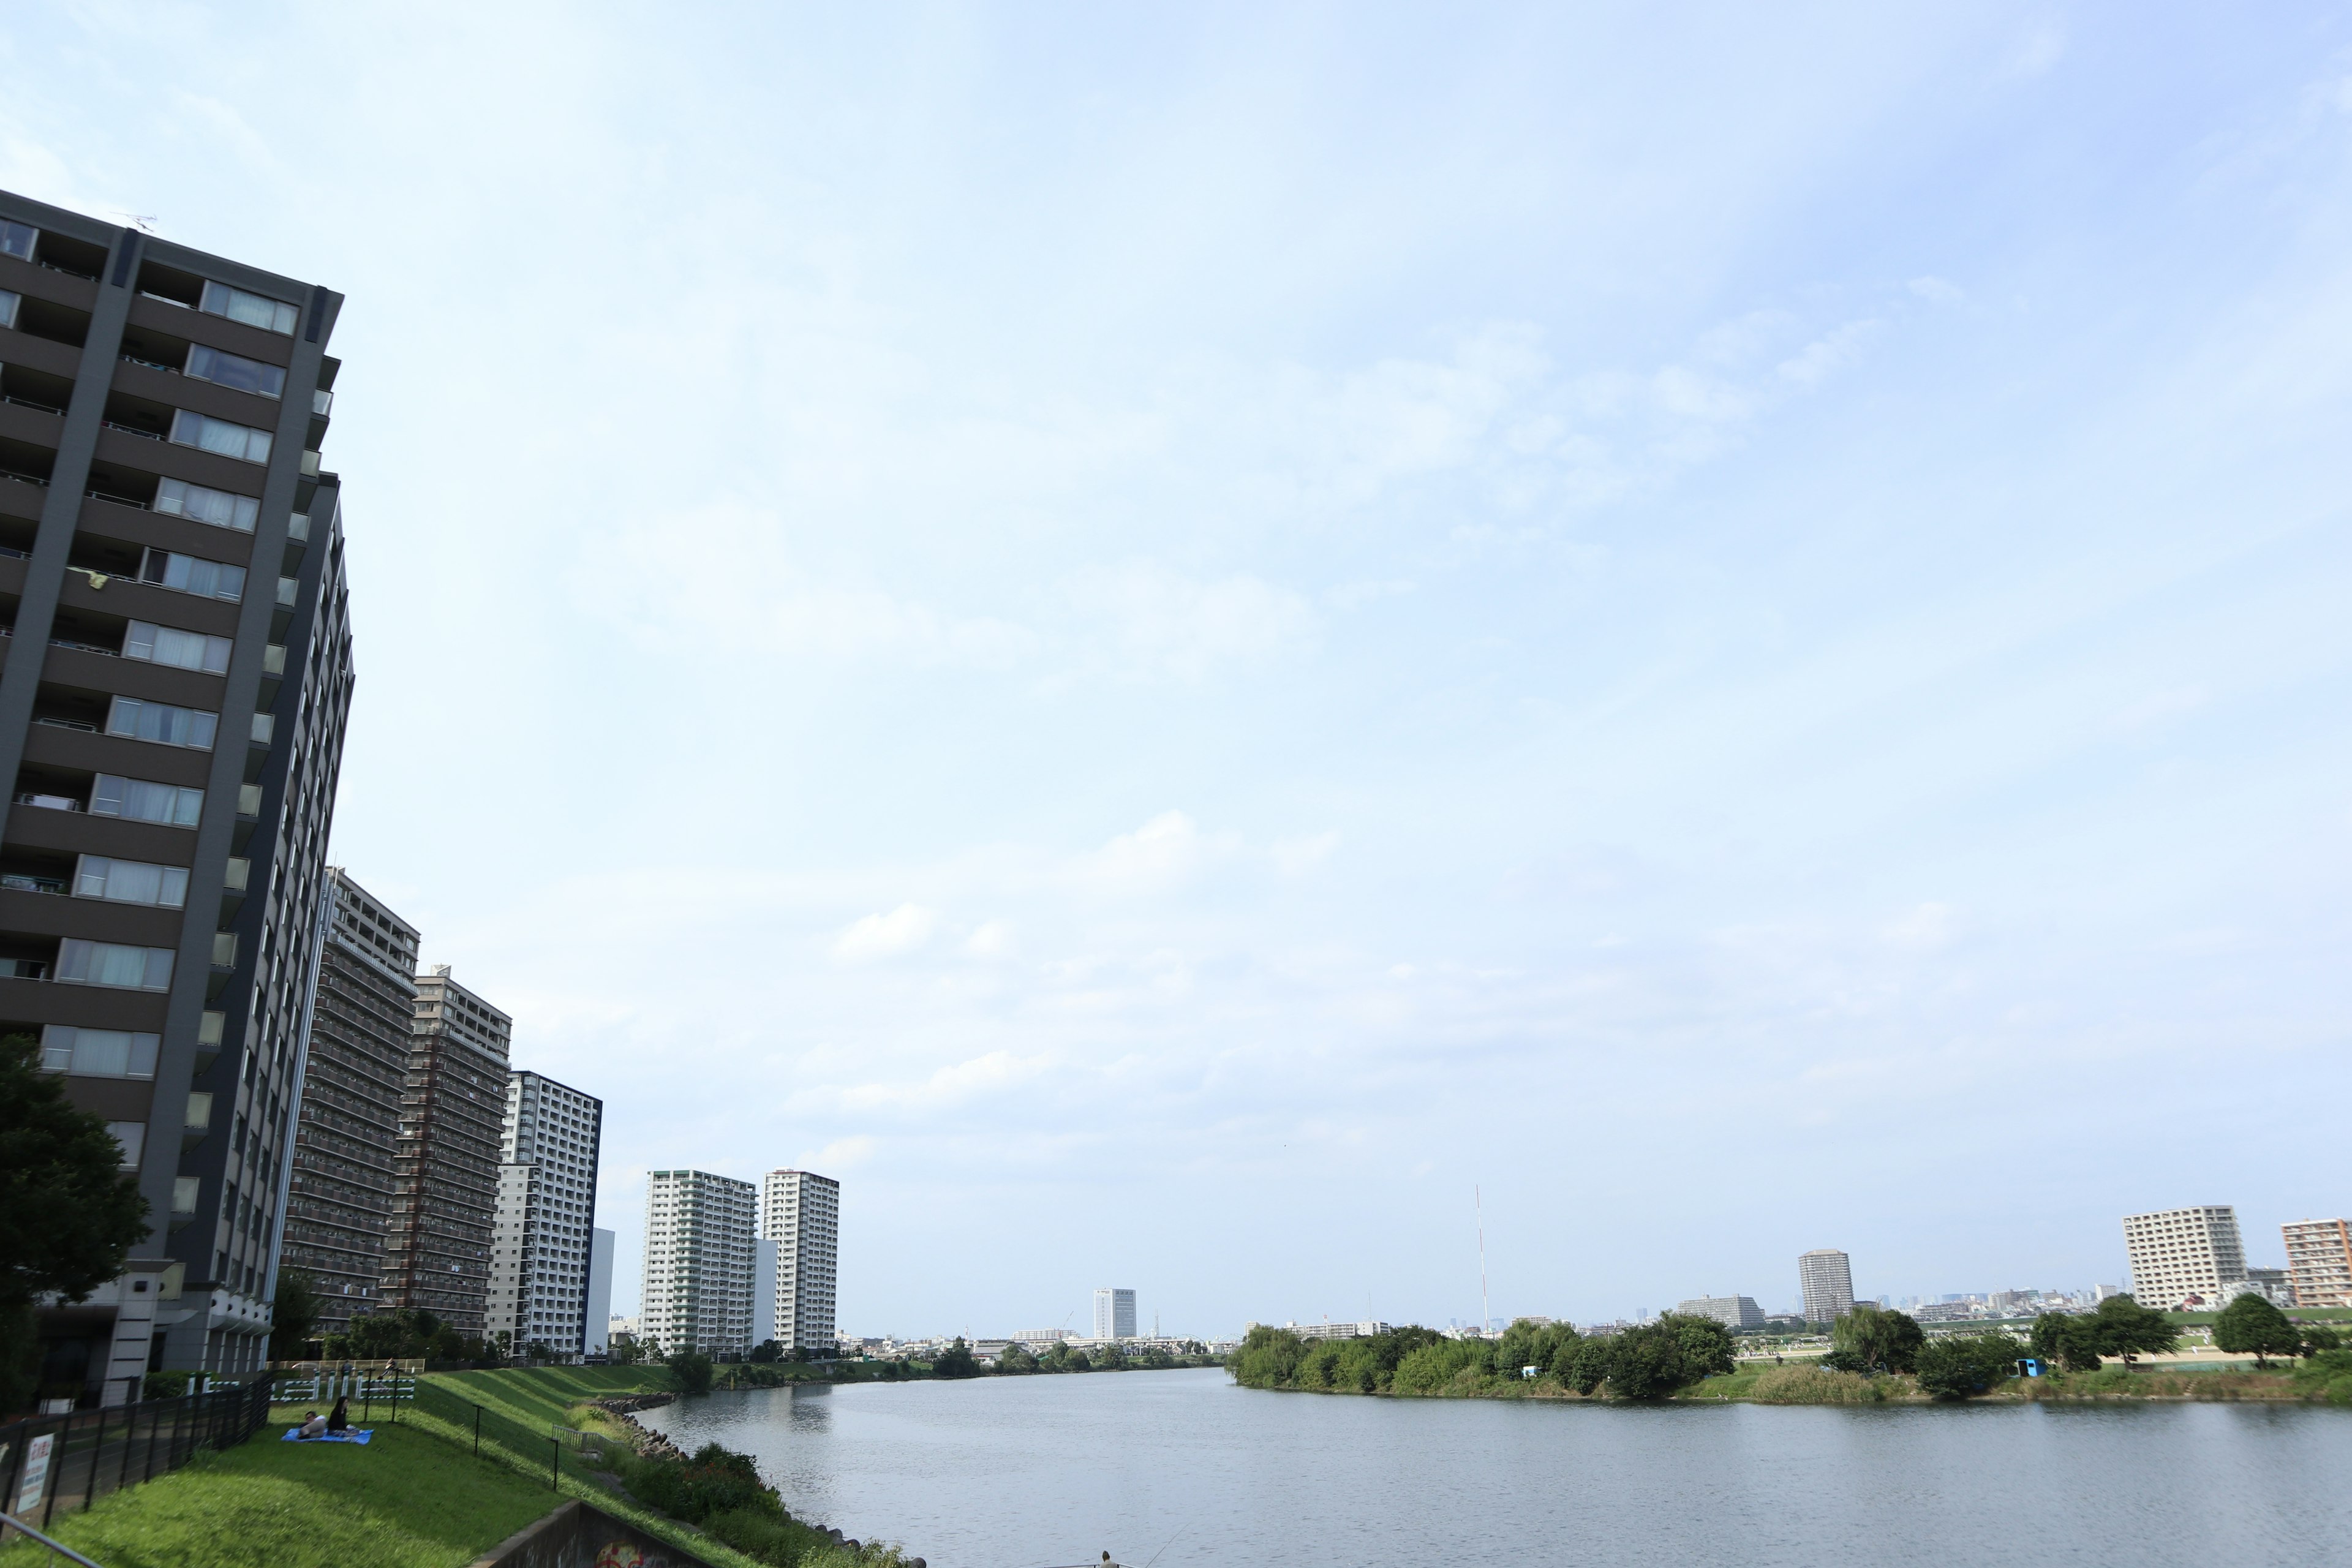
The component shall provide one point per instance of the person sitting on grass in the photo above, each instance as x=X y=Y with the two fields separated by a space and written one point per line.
x=339 y=1419
x=314 y=1426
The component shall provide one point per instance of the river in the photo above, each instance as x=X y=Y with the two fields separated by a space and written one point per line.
x=1021 y=1472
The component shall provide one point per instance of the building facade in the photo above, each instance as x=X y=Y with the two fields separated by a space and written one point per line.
x=600 y=1292
x=698 y=1262
x=2177 y=1254
x=542 y=1241
x=445 y=1163
x=1114 y=1313
x=1826 y=1277
x=1734 y=1311
x=177 y=682
x=800 y=1211
x=339 y=1203
x=2319 y=1261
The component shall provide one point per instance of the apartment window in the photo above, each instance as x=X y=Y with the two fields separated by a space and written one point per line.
x=160 y=721
x=199 y=504
x=131 y=881
x=133 y=1136
x=206 y=433
x=9 y=301
x=192 y=575
x=235 y=371
x=81 y=962
x=98 y=1053
x=254 y=309
x=169 y=645
x=17 y=239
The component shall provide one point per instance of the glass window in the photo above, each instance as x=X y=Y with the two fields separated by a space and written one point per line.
x=98 y=1053
x=254 y=309
x=192 y=575
x=81 y=962
x=235 y=371
x=131 y=882
x=219 y=508
x=207 y=434
x=133 y=1136
x=9 y=301
x=17 y=239
x=170 y=644
x=160 y=721
x=171 y=805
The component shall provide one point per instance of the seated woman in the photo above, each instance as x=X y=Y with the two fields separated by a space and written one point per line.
x=313 y=1424
x=340 y=1418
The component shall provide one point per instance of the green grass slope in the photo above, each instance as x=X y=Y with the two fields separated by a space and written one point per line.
x=538 y=1396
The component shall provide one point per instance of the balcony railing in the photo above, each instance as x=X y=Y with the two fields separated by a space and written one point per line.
x=29 y=403
x=118 y=500
x=67 y=724
x=24 y=969
x=24 y=479
x=17 y=882
x=85 y=647
x=150 y=365
x=133 y=431
x=48 y=802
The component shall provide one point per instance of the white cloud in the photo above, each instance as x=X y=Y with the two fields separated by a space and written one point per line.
x=903 y=930
x=1923 y=929
x=953 y=1083
x=1174 y=625
x=1937 y=290
x=1160 y=852
x=2159 y=706
x=1829 y=354
x=1294 y=856
x=990 y=938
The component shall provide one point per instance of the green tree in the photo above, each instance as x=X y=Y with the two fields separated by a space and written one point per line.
x=2250 y=1324
x=956 y=1361
x=1267 y=1359
x=69 y=1215
x=1017 y=1359
x=692 y=1370
x=2066 y=1339
x=292 y=1315
x=2318 y=1338
x=1871 y=1339
x=1959 y=1365
x=1524 y=1344
x=2122 y=1326
x=767 y=1351
x=1582 y=1365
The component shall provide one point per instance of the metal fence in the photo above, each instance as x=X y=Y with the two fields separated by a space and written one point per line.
x=502 y=1437
x=368 y=1388
x=56 y=1464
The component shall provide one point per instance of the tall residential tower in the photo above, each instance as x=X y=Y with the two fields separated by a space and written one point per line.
x=1114 y=1313
x=2179 y=1253
x=178 y=671
x=1826 y=1276
x=801 y=1212
x=340 y=1204
x=445 y=1166
x=697 y=1277
x=542 y=1244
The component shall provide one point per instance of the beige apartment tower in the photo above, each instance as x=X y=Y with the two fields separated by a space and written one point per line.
x=1826 y=1276
x=800 y=1211
x=2319 y=1261
x=698 y=1263
x=2176 y=1253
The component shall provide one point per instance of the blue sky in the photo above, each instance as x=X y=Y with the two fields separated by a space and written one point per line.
x=1168 y=639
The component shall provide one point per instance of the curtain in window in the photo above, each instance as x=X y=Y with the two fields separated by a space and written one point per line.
x=172 y=805
x=207 y=434
x=235 y=371
x=160 y=721
x=253 y=309
x=219 y=508
x=169 y=645
x=113 y=963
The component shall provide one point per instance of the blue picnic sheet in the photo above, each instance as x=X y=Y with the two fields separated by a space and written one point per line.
x=294 y=1435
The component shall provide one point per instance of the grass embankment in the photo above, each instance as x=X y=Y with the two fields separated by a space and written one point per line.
x=2324 y=1378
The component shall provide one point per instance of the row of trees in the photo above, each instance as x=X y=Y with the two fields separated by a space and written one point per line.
x=1646 y=1362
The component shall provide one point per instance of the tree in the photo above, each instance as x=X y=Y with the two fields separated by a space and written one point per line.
x=1959 y=1365
x=692 y=1369
x=2067 y=1340
x=2122 y=1326
x=2318 y=1338
x=69 y=1215
x=767 y=1351
x=1870 y=1339
x=293 y=1316
x=956 y=1361
x=1017 y=1359
x=2251 y=1324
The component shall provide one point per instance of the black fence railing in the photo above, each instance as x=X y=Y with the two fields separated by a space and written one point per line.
x=57 y=1464
x=491 y=1432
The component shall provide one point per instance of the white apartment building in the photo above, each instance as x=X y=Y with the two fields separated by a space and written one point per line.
x=1114 y=1313
x=1827 y=1278
x=2179 y=1253
x=698 y=1279
x=2319 y=1261
x=542 y=1244
x=800 y=1211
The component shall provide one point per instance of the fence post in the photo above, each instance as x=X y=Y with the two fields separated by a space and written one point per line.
x=56 y=1475
x=555 y=1464
x=96 y=1452
x=130 y=1436
x=478 y=1431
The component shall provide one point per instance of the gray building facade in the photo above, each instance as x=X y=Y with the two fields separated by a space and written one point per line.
x=445 y=1170
x=177 y=677
x=1825 y=1275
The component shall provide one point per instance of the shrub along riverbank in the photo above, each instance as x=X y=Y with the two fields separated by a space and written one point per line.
x=1876 y=1357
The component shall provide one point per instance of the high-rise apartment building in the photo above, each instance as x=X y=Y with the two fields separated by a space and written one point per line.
x=339 y=1203
x=599 y=1338
x=800 y=1211
x=1114 y=1313
x=698 y=1275
x=445 y=1165
x=542 y=1238
x=1826 y=1276
x=2319 y=1261
x=2179 y=1253
x=1733 y=1311
x=177 y=676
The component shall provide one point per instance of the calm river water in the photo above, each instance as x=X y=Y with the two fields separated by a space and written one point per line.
x=1026 y=1471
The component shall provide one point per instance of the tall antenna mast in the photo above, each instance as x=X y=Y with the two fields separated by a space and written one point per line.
x=1486 y=1314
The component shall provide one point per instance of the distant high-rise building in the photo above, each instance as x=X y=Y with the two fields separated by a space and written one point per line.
x=801 y=1212
x=340 y=1202
x=540 y=1245
x=1737 y=1311
x=600 y=1292
x=763 y=1290
x=1827 y=1277
x=1114 y=1313
x=2176 y=1253
x=698 y=1262
x=445 y=1165
x=2319 y=1261
x=172 y=716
